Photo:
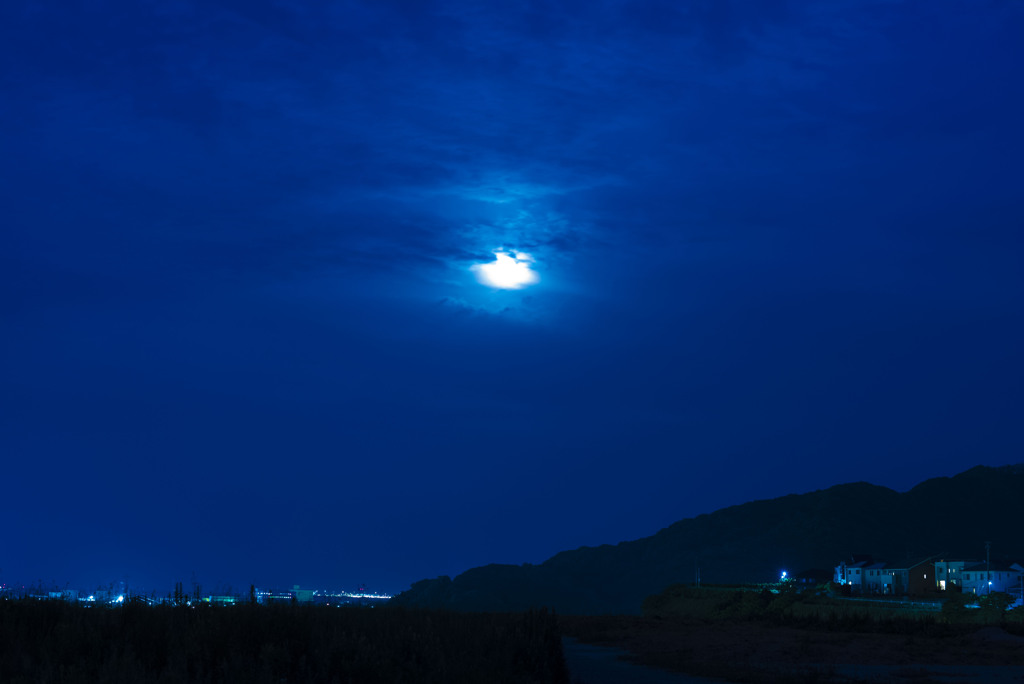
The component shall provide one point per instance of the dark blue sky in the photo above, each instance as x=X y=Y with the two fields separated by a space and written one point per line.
x=779 y=247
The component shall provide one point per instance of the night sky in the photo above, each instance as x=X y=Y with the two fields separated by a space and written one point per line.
x=247 y=330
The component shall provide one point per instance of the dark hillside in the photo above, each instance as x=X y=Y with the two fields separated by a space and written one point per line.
x=752 y=542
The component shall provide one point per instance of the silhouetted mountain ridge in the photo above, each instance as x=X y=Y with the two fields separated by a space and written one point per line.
x=751 y=542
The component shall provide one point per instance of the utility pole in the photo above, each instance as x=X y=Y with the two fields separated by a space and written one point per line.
x=988 y=567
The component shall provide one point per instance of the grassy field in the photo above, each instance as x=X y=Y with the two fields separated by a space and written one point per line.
x=44 y=642
x=740 y=635
x=818 y=608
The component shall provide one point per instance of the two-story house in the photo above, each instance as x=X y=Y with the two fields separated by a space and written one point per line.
x=949 y=573
x=985 y=578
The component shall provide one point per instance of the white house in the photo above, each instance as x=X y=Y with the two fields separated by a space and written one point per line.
x=949 y=573
x=852 y=573
x=983 y=578
x=877 y=579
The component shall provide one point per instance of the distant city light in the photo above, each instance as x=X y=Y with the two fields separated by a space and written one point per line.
x=361 y=596
x=783 y=577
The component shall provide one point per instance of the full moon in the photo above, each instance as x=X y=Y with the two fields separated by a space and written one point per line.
x=507 y=271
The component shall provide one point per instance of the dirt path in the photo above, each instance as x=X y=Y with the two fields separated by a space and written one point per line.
x=754 y=652
x=602 y=665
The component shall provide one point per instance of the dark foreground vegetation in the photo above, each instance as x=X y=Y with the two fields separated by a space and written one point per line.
x=767 y=636
x=62 y=643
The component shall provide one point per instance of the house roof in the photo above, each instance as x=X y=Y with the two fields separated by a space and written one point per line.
x=981 y=566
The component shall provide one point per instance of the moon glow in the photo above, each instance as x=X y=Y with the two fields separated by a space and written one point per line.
x=507 y=271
